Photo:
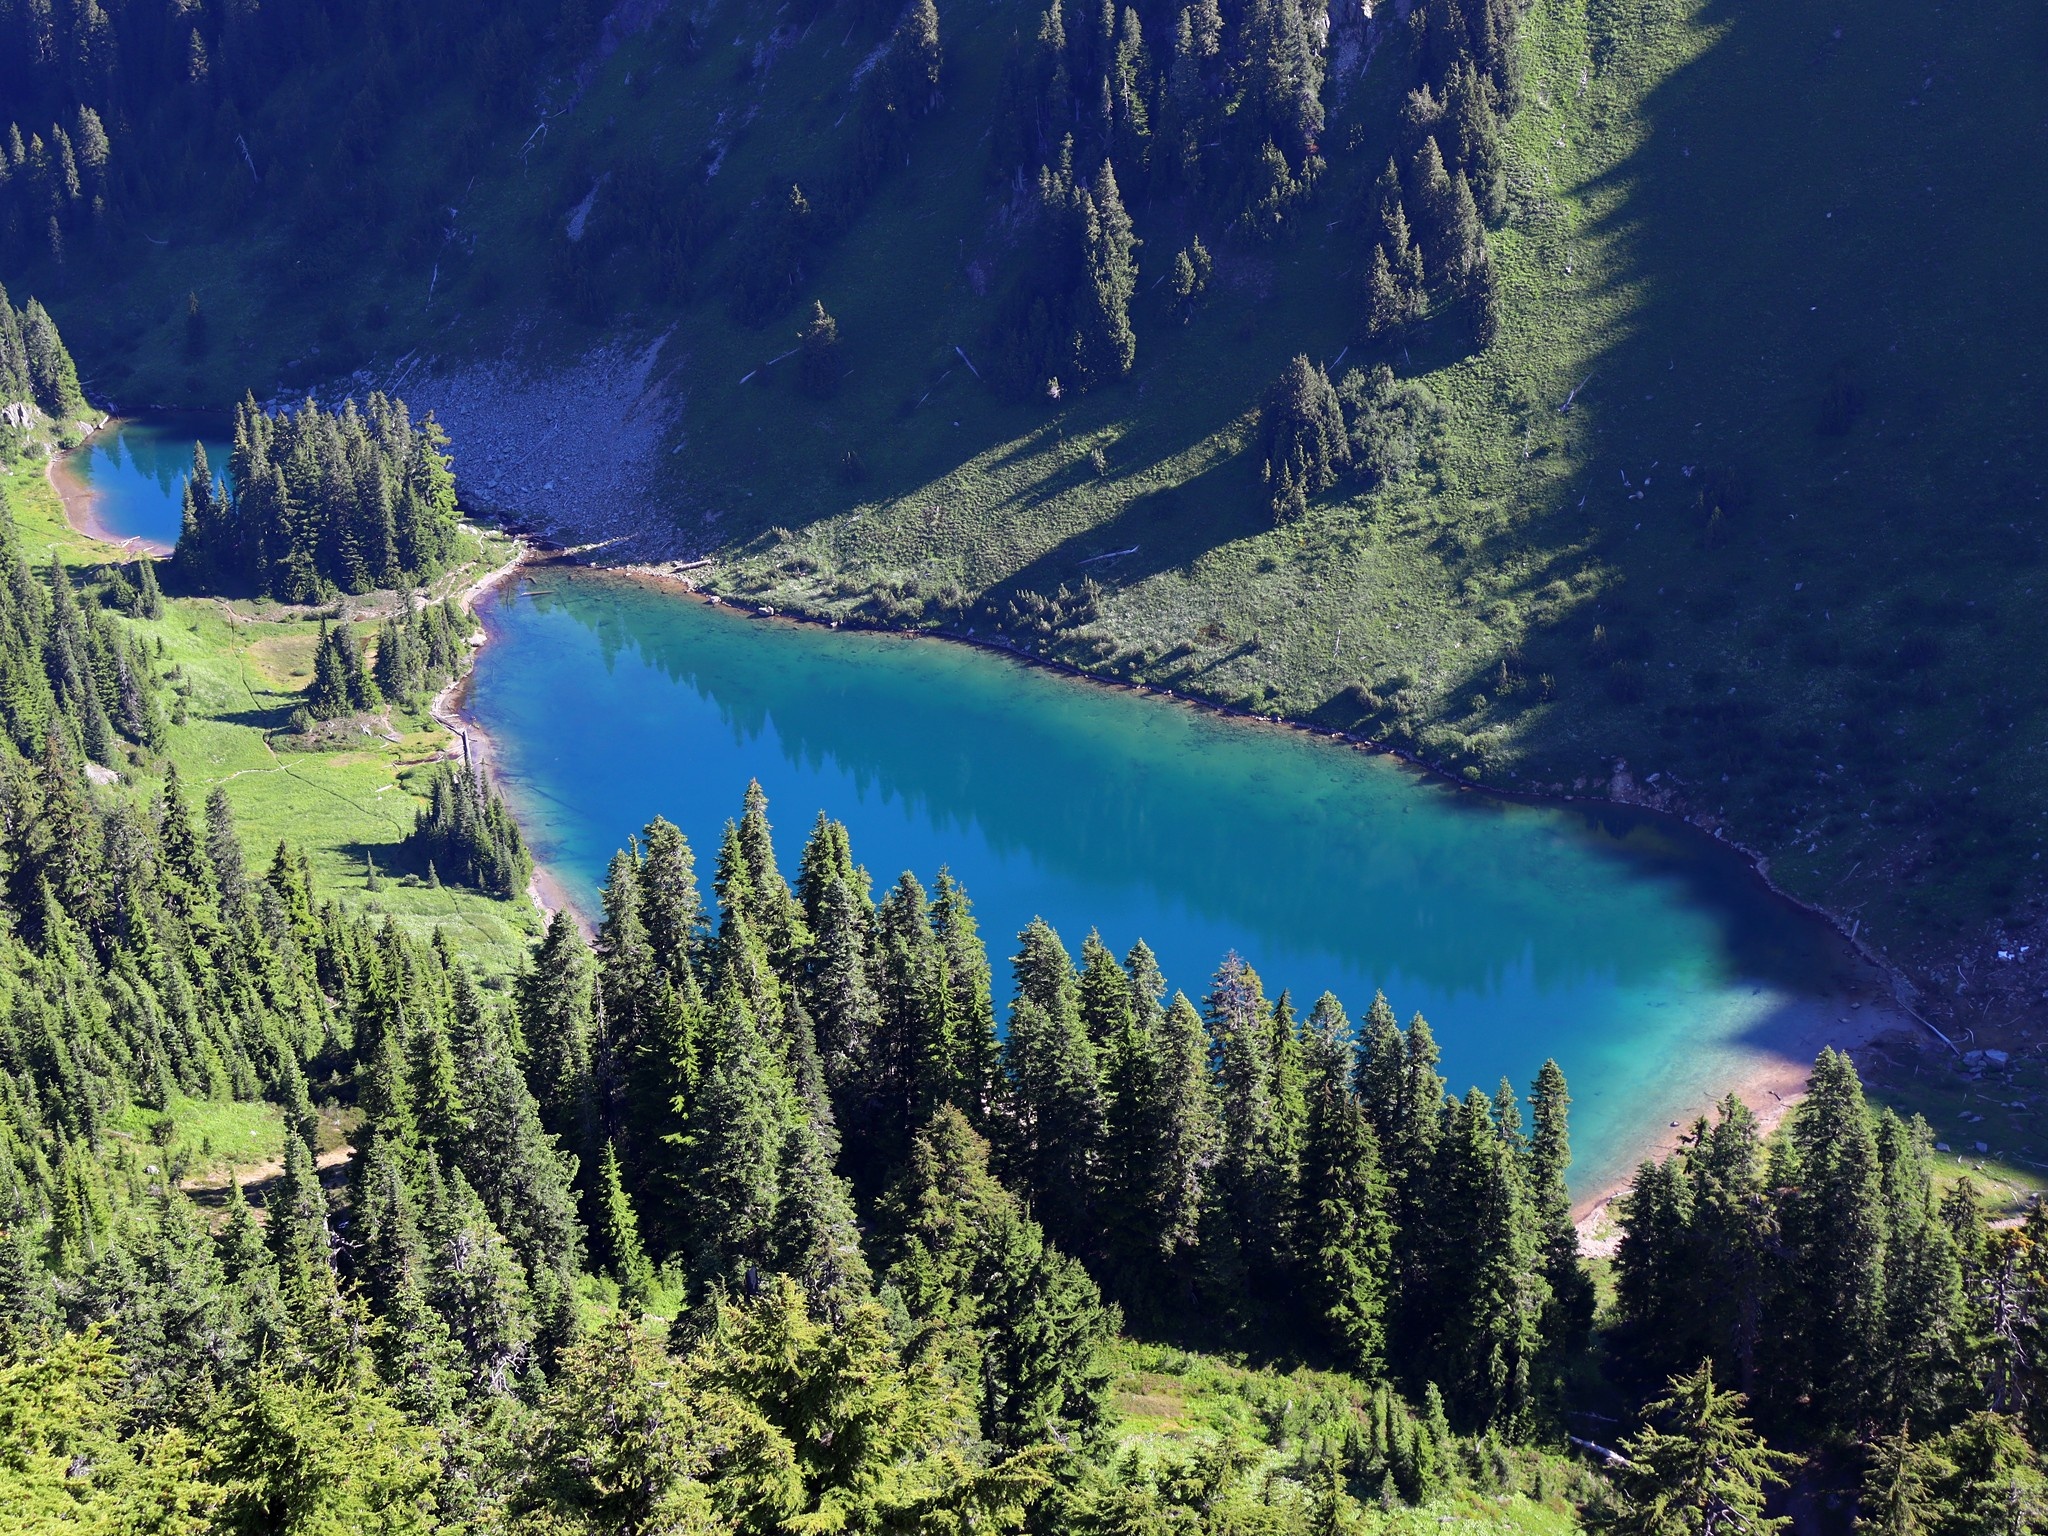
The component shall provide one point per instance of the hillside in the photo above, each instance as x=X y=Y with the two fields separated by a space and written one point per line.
x=324 y=1207
x=1739 y=493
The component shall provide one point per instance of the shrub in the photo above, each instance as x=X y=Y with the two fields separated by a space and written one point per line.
x=818 y=368
x=1392 y=425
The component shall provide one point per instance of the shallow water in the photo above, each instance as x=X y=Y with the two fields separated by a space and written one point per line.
x=136 y=472
x=1646 y=958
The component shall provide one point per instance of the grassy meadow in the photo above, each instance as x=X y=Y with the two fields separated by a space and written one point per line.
x=238 y=668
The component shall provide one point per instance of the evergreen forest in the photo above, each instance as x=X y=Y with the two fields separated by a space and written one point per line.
x=1625 y=399
x=321 y=503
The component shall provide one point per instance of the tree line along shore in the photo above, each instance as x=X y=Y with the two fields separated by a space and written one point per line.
x=745 y=1215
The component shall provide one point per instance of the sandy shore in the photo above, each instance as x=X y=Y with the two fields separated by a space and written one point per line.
x=81 y=506
x=450 y=709
x=1770 y=1084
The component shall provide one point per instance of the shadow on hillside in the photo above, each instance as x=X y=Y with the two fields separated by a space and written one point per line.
x=272 y=719
x=1806 y=472
x=1158 y=530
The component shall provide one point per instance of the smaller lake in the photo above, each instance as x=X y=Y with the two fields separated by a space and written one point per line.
x=135 y=473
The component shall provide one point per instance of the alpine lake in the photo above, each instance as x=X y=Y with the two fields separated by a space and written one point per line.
x=1648 y=959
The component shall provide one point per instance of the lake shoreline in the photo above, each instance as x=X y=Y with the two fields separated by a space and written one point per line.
x=450 y=709
x=1624 y=791
x=81 y=502
x=1770 y=1082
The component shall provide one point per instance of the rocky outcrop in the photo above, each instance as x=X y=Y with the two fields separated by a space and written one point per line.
x=573 y=451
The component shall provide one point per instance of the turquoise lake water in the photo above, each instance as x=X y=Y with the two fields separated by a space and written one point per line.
x=136 y=470
x=1646 y=958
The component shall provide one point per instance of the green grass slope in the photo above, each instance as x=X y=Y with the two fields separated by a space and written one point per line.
x=1767 y=260
x=238 y=670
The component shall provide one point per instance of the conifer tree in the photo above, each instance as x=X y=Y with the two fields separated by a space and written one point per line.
x=1130 y=1090
x=623 y=1444
x=1430 y=195
x=1104 y=993
x=417 y=1357
x=1343 y=1237
x=1290 y=1087
x=817 y=1243
x=150 y=603
x=1486 y=1293
x=477 y=1286
x=341 y=684
x=670 y=907
x=842 y=1001
x=617 y=1233
x=1192 y=270
x=818 y=365
x=1385 y=305
x=1568 y=1317
x=734 y=1142
x=1245 y=1247
x=626 y=1003
x=1464 y=235
x=1054 y=1128
x=14 y=380
x=523 y=1179
x=1183 y=1129
x=557 y=1002
x=224 y=851
x=1832 y=1318
x=911 y=1053
x=976 y=1073
x=195 y=326
x=1000 y=1305
x=52 y=375
x=916 y=57
x=1306 y=445
x=243 y=1254
x=1109 y=346
x=1697 y=1468
x=1920 y=1357
x=770 y=906
x=439 y=1095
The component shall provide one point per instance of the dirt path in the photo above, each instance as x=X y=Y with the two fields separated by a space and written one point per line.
x=258 y=1179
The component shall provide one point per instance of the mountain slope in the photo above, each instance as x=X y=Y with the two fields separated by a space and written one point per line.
x=1740 y=494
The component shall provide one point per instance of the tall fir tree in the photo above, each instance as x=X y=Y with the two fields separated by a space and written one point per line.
x=1568 y=1315
x=1247 y=1245
x=1343 y=1237
x=1055 y=1123
x=1831 y=1320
